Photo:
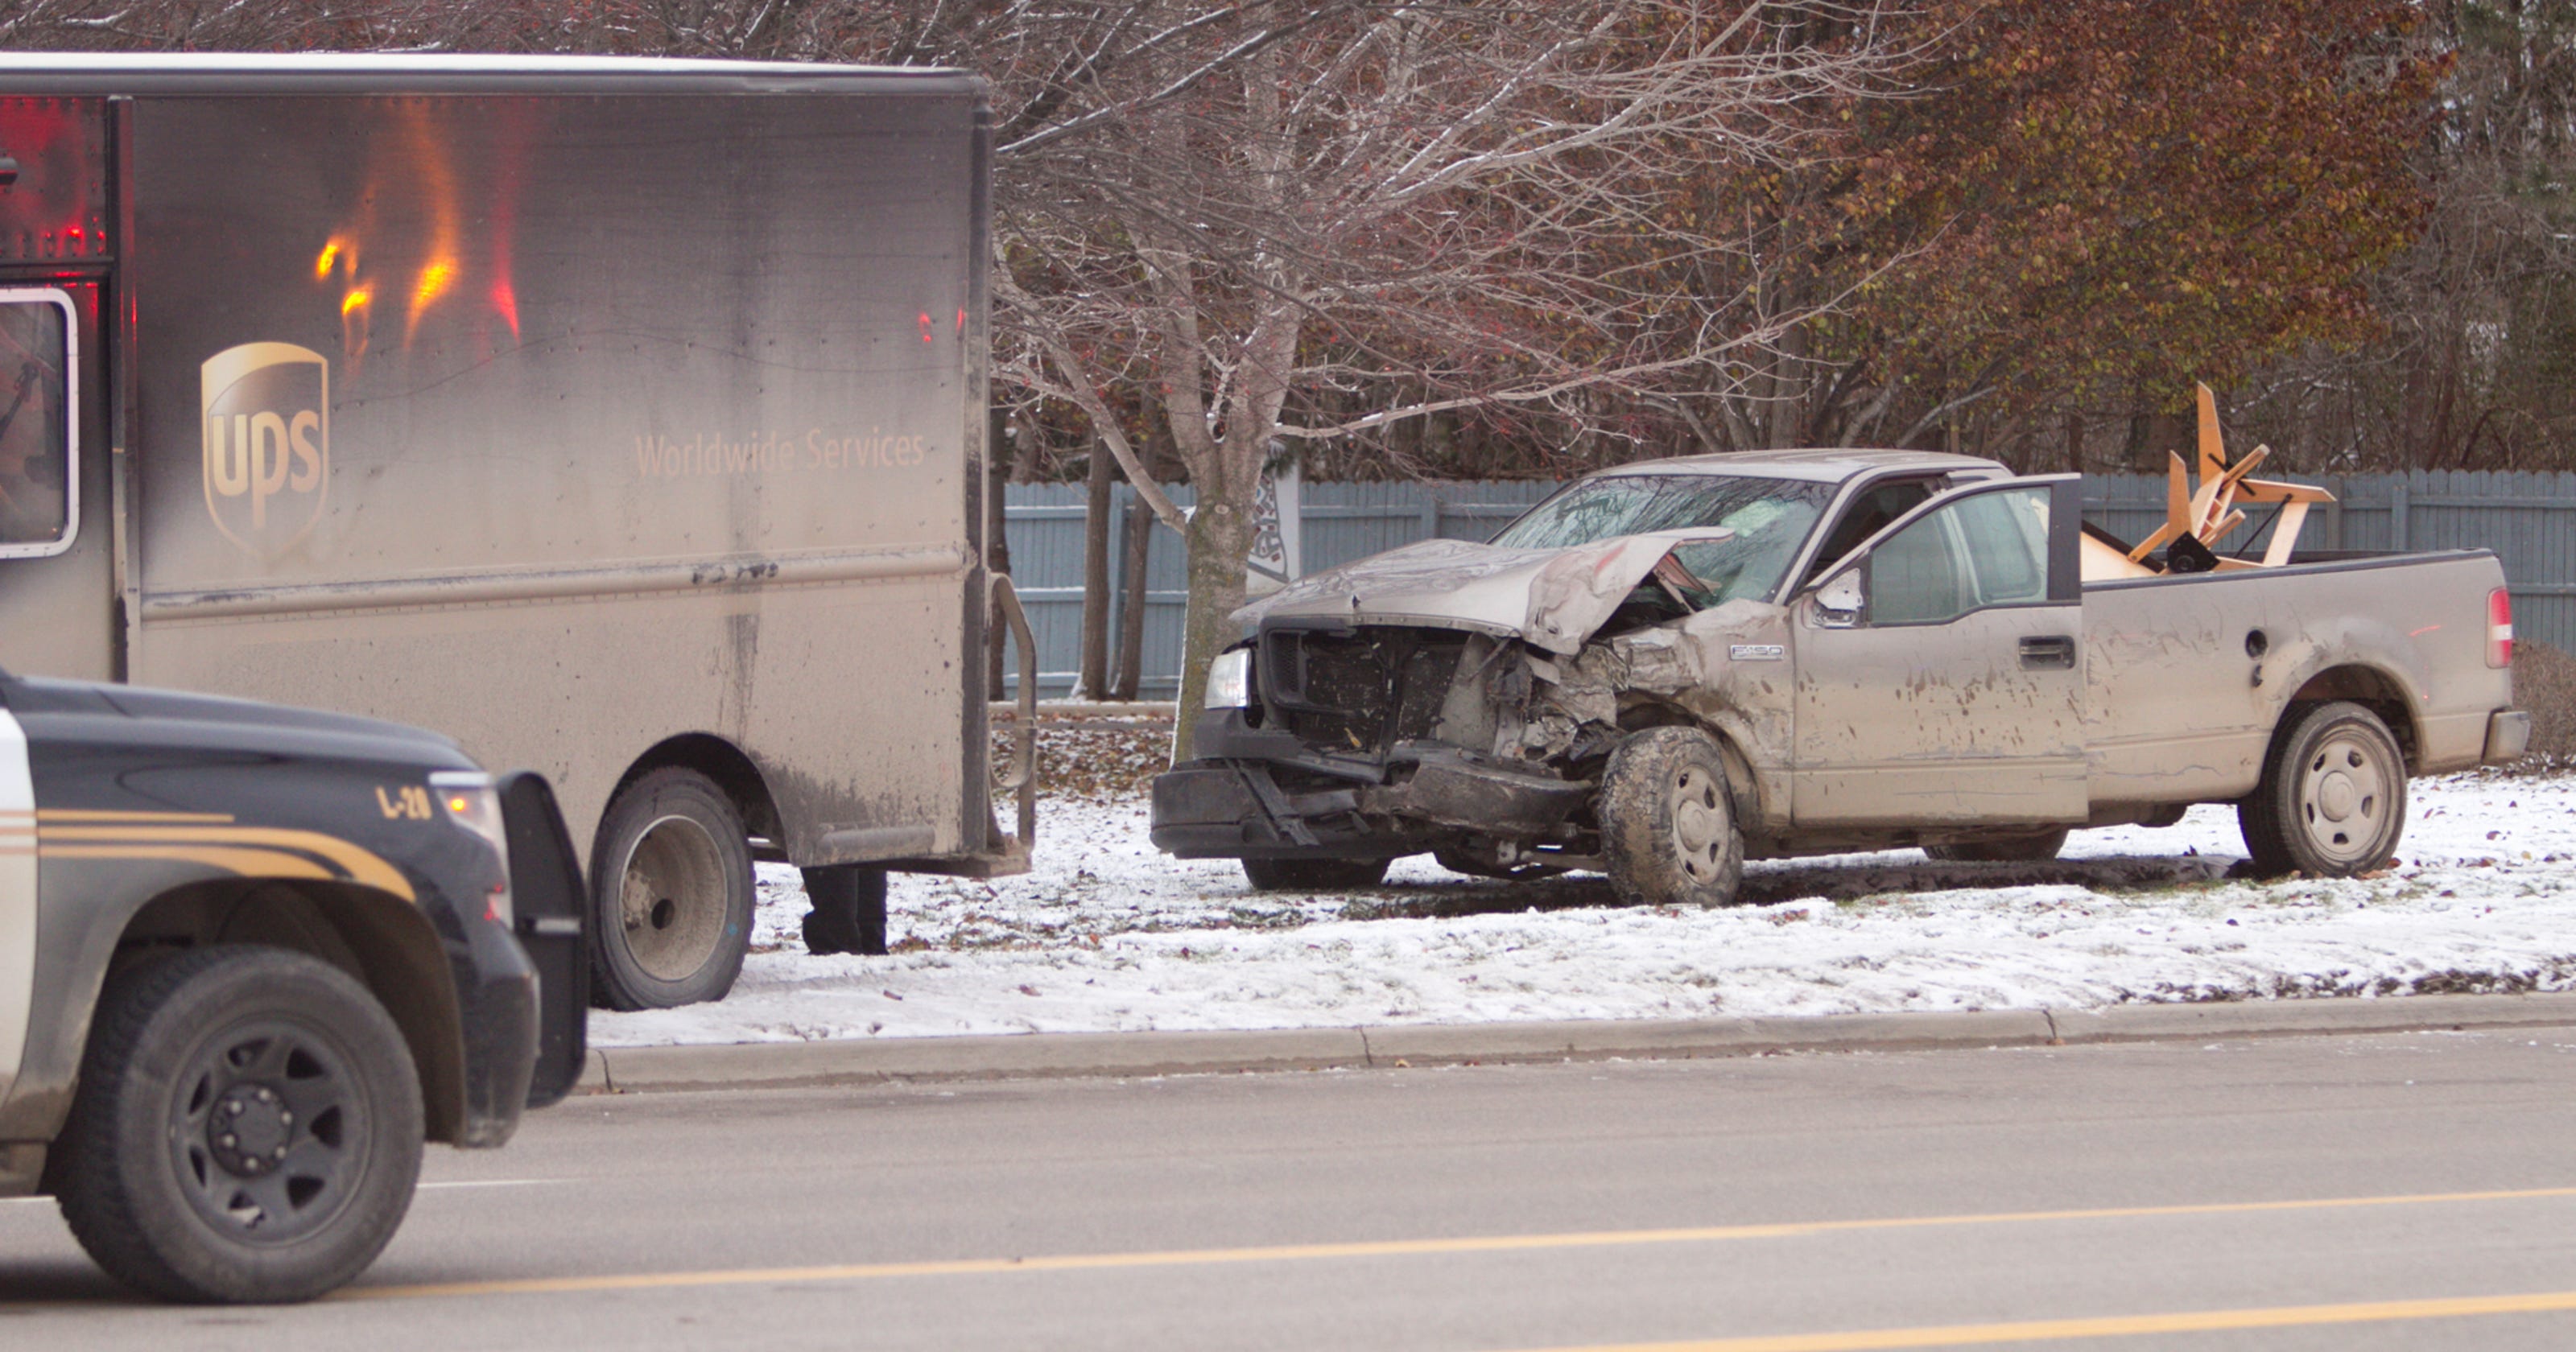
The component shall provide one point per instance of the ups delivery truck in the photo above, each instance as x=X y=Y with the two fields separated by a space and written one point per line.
x=623 y=419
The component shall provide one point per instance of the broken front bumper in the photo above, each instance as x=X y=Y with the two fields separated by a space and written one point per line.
x=1429 y=796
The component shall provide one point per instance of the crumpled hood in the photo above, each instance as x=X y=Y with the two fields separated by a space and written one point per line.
x=1551 y=598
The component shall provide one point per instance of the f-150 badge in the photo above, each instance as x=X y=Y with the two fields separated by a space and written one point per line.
x=1756 y=652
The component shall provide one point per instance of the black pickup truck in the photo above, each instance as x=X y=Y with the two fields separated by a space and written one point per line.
x=251 y=958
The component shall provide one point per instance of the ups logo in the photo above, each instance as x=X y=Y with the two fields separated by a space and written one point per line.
x=267 y=429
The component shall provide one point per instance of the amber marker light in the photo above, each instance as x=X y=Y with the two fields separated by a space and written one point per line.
x=473 y=803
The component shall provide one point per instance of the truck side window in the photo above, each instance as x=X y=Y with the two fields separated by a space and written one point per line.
x=1914 y=575
x=1986 y=550
x=2007 y=540
x=36 y=434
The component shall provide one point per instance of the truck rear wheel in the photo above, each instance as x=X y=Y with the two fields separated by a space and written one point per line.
x=247 y=1128
x=1668 y=831
x=671 y=893
x=1313 y=875
x=2333 y=798
x=2027 y=847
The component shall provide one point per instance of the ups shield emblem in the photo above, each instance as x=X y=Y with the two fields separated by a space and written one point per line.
x=267 y=428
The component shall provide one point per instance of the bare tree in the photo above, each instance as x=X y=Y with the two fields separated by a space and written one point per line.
x=1269 y=212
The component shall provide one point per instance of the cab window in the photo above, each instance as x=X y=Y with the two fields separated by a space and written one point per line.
x=38 y=504
x=1987 y=550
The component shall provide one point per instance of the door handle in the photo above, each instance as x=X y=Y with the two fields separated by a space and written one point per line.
x=2048 y=652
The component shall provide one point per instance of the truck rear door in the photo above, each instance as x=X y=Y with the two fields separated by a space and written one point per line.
x=1940 y=672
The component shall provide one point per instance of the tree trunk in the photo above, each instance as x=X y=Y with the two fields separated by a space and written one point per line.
x=1220 y=539
x=1131 y=618
x=1094 y=682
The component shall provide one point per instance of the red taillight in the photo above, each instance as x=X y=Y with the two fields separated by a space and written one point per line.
x=2499 y=628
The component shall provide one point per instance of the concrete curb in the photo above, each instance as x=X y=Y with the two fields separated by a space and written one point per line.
x=778 y=1065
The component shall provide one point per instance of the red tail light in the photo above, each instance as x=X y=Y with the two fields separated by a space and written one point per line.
x=2499 y=628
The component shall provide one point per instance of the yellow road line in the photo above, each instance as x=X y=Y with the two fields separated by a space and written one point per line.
x=2116 y=1326
x=1398 y=1248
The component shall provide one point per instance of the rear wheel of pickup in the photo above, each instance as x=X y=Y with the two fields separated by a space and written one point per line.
x=1313 y=875
x=1668 y=830
x=671 y=893
x=2026 y=847
x=2333 y=797
x=247 y=1128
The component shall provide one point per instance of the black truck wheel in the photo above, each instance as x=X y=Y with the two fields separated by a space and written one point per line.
x=1314 y=875
x=2333 y=798
x=671 y=893
x=247 y=1128
x=1668 y=830
x=2022 y=847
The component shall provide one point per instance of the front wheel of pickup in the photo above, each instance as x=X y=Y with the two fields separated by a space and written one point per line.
x=2333 y=798
x=247 y=1128
x=1668 y=830
x=1313 y=875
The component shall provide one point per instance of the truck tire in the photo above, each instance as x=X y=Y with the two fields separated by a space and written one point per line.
x=2028 y=847
x=1668 y=829
x=671 y=893
x=247 y=1128
x=1313 y=875
x=849 y=909
x=2333 y=798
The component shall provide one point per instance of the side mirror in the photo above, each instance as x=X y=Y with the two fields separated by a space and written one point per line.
x=1839 y=601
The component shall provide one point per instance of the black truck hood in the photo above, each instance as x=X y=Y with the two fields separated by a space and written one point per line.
x=25 y=695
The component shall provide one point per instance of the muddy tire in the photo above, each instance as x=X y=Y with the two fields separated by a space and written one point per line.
x=2333 y=798
x=671 y=894
x=2030 y=847
x=247 y=1128
x=1668 y=829
x=1313 y=875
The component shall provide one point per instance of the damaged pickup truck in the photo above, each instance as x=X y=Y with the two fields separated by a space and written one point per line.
x=1672 y=666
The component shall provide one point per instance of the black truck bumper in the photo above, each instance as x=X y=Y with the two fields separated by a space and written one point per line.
x=496 y=1008
x=523 y=996
x=1421 y=797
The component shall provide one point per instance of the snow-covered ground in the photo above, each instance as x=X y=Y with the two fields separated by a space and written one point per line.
x=1106 y=934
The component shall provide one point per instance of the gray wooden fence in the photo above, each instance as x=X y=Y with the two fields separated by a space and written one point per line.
x=2529 y=520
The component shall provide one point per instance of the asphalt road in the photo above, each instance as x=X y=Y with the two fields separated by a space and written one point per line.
x=2382 y=1192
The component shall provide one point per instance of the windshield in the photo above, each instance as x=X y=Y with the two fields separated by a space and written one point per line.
x=1770 y=518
